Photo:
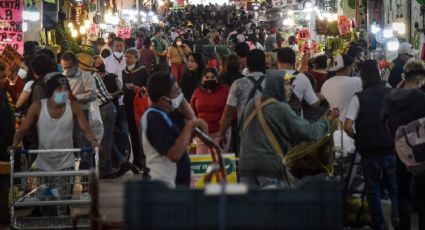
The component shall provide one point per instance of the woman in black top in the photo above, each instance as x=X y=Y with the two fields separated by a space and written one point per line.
x=232 y=70
x=134 y=76
x=192 y=78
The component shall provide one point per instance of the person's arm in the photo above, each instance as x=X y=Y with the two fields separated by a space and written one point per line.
x=83 y=123
x=187 y=110
x=22 y=100
x=89 y=89
x=187 y=49
x=179 y=148
x=348 y=127
x=30 y=119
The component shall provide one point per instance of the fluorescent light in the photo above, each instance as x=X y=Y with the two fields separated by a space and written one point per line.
x=399 y=27
x=308 y=5
x=388 y=33
x=393 y=45
x=102 y=26
x=291 y=12
x=375 y=28
x=288 y=22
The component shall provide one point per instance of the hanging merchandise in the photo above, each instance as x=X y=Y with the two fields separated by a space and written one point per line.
x=352 y=4
x=344 y=25
x=422 y=2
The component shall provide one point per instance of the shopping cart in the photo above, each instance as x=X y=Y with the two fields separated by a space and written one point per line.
x=51 y=199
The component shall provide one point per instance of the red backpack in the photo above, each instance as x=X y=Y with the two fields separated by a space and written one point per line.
x=140 y=103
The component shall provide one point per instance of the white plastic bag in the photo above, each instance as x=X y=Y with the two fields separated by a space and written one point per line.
x=95 y=120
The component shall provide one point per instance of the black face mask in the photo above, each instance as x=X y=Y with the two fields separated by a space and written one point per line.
x=210 y=84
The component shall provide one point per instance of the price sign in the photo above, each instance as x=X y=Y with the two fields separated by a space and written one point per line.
x=124 y=33
x=11 y=58
x=11 y=25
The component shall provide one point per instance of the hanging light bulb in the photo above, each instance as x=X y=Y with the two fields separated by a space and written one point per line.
x=74 y=33
x=102 y=26
x=288 y=22
x=393 y=45
x=70 y=25
x=375 y=28
x=388 y=33
x=399 y=27
x=82 y=30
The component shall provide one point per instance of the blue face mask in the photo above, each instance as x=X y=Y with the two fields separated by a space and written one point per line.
x=60 y=98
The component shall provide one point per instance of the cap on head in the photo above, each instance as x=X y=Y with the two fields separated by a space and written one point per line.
x=407 y=48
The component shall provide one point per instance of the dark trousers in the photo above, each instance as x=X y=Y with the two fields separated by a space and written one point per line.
x=138 y=155
x=404 y=179
x=377 y=170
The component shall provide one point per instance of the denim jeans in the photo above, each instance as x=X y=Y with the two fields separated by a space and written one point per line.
x=81 y=141
x=377 y=170
x=263 y=182
x=108 y=112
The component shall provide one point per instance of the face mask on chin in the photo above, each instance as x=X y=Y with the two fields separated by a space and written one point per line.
x=70 y=72
x=130 y=67
x=118 y=54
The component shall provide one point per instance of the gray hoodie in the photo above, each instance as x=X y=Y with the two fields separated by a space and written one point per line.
x=258 y=157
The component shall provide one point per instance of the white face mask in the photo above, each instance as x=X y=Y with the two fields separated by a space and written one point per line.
x=179 y=43
x=130 y=67
x=118 y=54
x=175 y=102
x=22 y=73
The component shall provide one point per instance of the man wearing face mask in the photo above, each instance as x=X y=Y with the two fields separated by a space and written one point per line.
x=165 y=132
x=159 y=47
x=83 y=88
x=260 y=161
x=405 y=52
x=55 y=120
x=134 y=77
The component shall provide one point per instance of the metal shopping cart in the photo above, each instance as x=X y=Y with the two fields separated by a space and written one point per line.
x=51 y=199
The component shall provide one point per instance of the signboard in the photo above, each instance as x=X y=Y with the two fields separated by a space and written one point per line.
x=11 y=25
x=283 y=3
x=11 y=58
x=124 y=33
x=344 y=25
x=200 y=163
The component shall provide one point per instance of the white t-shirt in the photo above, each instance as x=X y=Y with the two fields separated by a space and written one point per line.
x=340 y=90
x=353 y=109
x=303 y=89
x=27 y=86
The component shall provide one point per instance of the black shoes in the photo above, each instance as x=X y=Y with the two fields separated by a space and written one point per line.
x=125 y=168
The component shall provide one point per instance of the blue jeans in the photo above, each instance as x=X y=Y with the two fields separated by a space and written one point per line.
x=377 y=170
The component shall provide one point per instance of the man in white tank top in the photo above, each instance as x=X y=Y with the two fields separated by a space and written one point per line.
x=55 y=116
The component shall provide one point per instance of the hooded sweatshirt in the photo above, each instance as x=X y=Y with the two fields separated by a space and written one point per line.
x=402 y=106
x=258 y=157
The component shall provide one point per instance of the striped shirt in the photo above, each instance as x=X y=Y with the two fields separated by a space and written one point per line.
x=102 y=93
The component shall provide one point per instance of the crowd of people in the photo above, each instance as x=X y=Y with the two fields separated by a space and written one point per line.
x=253 y=102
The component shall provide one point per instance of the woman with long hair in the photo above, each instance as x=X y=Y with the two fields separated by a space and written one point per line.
x=176 y=55
x=193 y=76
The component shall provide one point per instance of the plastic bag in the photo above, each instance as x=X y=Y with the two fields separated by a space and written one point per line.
x=140 y=103
x=95 y=120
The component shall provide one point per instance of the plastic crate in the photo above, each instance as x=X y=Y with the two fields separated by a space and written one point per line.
x=312 y=205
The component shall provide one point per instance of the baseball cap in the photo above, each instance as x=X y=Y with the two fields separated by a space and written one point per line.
x=340 y=62
x=407 y=48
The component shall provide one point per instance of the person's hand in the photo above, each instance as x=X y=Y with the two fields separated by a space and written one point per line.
x=12 y=148
x=164 y=53
x=320 y=96
x=199 y=123
x=129 y=86
x=222 y=141
x=95 y=144
x=333 y=114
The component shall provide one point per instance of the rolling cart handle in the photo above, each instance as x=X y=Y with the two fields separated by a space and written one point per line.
x=216 y=154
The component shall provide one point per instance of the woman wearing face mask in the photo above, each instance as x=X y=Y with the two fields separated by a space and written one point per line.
x=176 y=55
x=208 y=102
x=134 y=76
x=193 y=76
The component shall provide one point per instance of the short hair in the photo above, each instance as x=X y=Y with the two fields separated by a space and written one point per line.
x=147 y=42
x=47 y=52
x=43 y=64
x=256 y=61
x=414 y=70
x=286 y=55
x=369 y=73
x=117 y=39
x=320 y=62
x=159 y=85
x=233 y=63
x=355 y=51
x=242 y=49
x=69 y=56
x=130 y=42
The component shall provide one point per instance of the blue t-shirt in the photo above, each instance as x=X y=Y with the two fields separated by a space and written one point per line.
x=162 y=137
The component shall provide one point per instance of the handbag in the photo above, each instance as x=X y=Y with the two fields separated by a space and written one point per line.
x=140 y=103
x=95 y=120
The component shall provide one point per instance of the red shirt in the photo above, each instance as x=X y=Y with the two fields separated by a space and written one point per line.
x=320 y=79
x=210 y=106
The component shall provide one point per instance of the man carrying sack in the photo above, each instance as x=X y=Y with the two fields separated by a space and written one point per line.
x=269 y=128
